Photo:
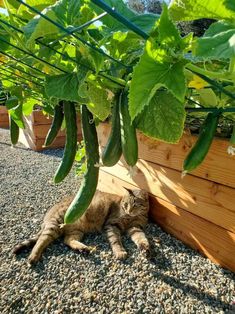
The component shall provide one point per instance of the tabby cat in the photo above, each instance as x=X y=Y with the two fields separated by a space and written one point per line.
x=109 y=212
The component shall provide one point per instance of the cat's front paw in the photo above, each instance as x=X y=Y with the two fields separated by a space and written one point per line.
x=144 y=248
x=33 y=258
x=121 y=255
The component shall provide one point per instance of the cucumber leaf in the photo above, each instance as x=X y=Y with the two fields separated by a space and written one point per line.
x=187 y=10
x=163 y=118
x=28 y=106
x=63 y=87
x=218 y=42
x=64 y=12
x=154 y=70
x=15 y=111
x=161 y=65
x=99 y=103
x=120 y=7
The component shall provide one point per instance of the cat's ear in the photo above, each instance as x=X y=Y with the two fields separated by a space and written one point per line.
x=129 y=191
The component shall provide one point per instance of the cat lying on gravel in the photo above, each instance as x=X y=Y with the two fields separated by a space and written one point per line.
x=109 y=212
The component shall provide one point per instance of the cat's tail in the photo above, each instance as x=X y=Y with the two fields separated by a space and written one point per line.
x=26 y=244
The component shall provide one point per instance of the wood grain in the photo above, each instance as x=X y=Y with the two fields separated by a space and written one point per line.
x=218 y=166
x=215 y=242
x=209 y=200
x=4 y=118
x=37 y=126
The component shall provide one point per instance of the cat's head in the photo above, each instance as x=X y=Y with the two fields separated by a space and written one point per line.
x=135 y=202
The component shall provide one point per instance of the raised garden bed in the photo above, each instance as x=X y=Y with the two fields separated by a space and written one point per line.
x=36 y=128
x=198 y=209
x=4 y=118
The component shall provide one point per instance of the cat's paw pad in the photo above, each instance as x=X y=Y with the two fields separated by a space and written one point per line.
x=121 y=255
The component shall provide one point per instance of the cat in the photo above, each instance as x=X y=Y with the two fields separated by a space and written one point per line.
x=109 y=212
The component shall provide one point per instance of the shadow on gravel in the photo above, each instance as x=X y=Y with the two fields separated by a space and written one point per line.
x=57 y=152
x=206 y=298
x=16 y=147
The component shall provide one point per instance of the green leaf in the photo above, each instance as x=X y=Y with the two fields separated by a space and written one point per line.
x=5 y=36
x=207 y=97
x=120 y=7
x=17 y=91
x=163 y=118
x=187 y=10
x=144 y=21
x=12 y=102
x=39 y=27
x=28 y=106
x=40 y=5
x=64 y=12
x=63 y=87
x=168 y=33
x=154 y=70
x=98 y=103
x=161 y=65
x=218 y=42
x=16 y=114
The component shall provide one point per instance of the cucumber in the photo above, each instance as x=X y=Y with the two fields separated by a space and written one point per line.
x=56 y=125
x=113 y=149
x=88 y=187
x=71 y=142
x=14 y=131
x=128 y=132
x=201 y=148
x=232 y=139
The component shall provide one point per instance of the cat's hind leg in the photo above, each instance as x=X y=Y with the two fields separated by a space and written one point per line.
x=73 y=241
x=114 y=238
x=139 y=238
x=49 y=233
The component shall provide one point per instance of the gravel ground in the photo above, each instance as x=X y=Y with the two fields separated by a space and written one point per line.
x=177 y=280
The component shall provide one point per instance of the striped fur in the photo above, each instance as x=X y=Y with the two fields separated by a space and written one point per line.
x=108 y=212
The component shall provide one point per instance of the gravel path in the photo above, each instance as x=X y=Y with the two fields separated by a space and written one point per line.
x=178 y=280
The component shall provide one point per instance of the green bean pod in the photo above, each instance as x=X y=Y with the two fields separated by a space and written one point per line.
x=71 y=142
x=55 y=126
x=201 y=148
x=88 y=187
x=128 y=132
x=113 y=149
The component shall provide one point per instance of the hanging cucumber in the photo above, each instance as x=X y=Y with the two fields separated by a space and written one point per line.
x=231 y=148
x=128 y=132
x=201 y=148
x=88 y=187
x=232 y=139
x=113 y=149
x=71 y=142
x=56 y=124
x=14 y=131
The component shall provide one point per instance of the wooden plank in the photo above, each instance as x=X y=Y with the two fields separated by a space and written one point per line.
x=211 y=201
x=40 y=131
x=3 y=109
x=28 y=139
x=57 y=143
x=217 y=243
x=218 y=166
x=4 y=118
x=37 y=118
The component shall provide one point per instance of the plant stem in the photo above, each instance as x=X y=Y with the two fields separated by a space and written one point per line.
x=214 y=75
